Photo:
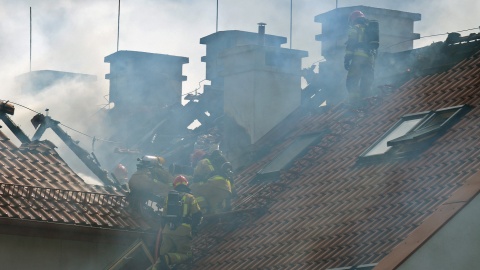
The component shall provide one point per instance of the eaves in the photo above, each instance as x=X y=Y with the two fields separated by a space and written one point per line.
x=29 y=228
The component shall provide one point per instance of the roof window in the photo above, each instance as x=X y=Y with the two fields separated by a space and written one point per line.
x=414 y=133
x=283 y=160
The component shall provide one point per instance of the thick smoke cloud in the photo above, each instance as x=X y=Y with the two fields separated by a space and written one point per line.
x=75 y=36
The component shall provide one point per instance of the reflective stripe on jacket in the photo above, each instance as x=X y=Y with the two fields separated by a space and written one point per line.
x=220 y=182
x=356 y=42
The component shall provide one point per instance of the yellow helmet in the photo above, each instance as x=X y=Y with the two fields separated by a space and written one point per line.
x=203 y=169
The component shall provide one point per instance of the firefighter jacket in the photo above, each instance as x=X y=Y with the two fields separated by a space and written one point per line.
x=220 y=182
x=177 y=241
x=151 y=180
x=357 y=44
x=190 y=213
x=214 y=194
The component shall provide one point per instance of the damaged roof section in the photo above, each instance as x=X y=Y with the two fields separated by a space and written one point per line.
x=37 y=185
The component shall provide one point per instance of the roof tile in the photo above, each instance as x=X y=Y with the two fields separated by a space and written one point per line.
x=334 y=212
x=37 y=185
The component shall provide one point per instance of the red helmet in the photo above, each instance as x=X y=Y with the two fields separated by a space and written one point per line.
x=180 y=180
x=355 y=15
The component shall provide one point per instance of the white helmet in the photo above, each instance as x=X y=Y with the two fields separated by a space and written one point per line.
x=152 y=161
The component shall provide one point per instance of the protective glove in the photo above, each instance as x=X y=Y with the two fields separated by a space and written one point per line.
x=347 y=62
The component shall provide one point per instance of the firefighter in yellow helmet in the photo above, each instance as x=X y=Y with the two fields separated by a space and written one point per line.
x=181 y=217
x=359 y=58
x=202 y=170
x=149 y=179
x=213 y=183
x=221 y=189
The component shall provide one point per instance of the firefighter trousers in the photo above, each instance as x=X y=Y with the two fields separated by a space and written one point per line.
x=217 y=199
x=176 y=244
x=360 y=78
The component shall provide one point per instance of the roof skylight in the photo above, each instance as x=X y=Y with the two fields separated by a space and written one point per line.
x=297 y=148
x=414 y=132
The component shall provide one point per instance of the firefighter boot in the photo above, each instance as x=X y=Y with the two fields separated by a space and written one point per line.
x=161 y=264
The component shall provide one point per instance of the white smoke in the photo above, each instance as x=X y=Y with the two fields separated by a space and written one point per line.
x=75 y=36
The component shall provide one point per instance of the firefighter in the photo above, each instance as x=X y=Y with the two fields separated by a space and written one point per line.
x=213 y=183
x=359 y=59
x=203 y=169
x=202 y=165
x=182 y=216
x=149 y=179
x=220 y=187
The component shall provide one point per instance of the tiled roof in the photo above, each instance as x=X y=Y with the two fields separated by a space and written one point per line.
x=37 y=185
x=333 y=212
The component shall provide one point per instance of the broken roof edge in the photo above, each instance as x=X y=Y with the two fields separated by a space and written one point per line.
x=432 y=224
x=41 y=146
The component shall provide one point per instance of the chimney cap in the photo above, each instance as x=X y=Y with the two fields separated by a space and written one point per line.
x=262 y=24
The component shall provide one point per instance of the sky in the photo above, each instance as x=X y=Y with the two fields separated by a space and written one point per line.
x=76 y=35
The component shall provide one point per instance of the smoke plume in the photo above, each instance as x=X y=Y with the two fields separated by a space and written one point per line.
x=75 y=36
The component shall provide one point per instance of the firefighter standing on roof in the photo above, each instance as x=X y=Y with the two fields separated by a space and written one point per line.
x=360 y=57
x=181 y=216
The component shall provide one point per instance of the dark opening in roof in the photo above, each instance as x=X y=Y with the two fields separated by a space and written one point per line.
x=414 y=133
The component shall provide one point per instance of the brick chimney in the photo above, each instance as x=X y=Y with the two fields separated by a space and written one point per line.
x=145 y=79
x=223 y=40
x=261 y=87
x=141 y=85
x=396 y=29
x=396 y=34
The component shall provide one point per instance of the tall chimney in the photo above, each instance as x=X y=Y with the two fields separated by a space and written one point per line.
x=261 y=33
x=262 y=86
x=396 y=29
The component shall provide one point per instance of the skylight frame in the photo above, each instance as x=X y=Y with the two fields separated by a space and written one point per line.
x=421 y=116
x=422 y=131
x=288 y=156
x=409 y=142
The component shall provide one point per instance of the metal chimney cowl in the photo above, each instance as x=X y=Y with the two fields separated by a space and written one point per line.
x=261 y=33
